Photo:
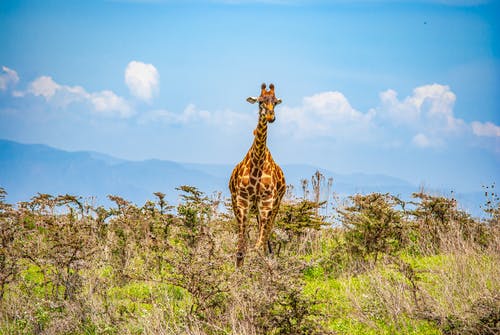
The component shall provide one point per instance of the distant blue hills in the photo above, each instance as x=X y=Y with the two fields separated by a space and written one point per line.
x=28 y=169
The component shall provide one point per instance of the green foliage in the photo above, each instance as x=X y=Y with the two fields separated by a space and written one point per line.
x=435 y=217
x=296 y=217
x=374 y=225
x=425 y=267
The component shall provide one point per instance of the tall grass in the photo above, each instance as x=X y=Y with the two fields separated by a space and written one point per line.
x=67 y=267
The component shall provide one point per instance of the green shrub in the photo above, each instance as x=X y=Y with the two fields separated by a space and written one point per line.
x=374 y=225
x=70 y=268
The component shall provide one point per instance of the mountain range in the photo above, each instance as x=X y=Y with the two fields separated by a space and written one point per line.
x=28 y=169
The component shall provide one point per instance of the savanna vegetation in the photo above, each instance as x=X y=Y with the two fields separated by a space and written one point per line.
x=373 y=264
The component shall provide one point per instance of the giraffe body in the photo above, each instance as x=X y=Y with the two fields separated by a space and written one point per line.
x=257 y=183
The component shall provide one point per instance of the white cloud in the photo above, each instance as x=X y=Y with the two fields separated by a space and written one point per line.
x=429 y=108
x=420 y=140
x=104 y=102
x=109 y=102
x=325 y=114
x=191 y=114
x=142 y=80
x=425 y=118
x=423 y=141
x=44 y=86
x=8 y=78
x=400 y=112
x=230 y=118
x=428 y=112
x=486 y=129
x=436 y=103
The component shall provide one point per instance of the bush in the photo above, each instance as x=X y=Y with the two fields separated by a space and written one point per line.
x=436 y=217
x=374 y=225
x=70 y=268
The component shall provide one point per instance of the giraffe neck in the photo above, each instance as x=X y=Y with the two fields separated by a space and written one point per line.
x=259 y=143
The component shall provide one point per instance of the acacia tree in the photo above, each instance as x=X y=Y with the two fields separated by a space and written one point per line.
x=295 y=217
x=59 y=239
x=374 y=224
x=436 y=216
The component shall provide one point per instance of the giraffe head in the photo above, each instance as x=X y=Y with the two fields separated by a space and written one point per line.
x=267 y=101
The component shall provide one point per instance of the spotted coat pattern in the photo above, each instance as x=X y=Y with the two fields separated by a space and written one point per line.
x=257 y=183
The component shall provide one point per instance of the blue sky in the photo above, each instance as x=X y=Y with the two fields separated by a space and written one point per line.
x=404 y=88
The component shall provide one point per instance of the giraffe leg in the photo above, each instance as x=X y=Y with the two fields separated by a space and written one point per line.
x=259 y=222
x=262 y=240
x=242 y=218
x=269 y=247
x=268 y=227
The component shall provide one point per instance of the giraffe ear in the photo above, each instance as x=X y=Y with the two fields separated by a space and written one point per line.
x=278 y=101
x=252 y=100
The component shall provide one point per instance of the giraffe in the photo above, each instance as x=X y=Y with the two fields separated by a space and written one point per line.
x=257 y=182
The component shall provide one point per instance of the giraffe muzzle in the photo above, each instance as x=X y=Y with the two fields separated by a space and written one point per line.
x=270 y=118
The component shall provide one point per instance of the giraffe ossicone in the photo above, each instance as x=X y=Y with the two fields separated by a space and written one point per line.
x=257 y=183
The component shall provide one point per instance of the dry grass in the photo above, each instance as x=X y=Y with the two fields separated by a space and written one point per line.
x=458 y=290
x=143 y=270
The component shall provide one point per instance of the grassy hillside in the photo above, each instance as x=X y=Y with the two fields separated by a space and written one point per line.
x=387 y=267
